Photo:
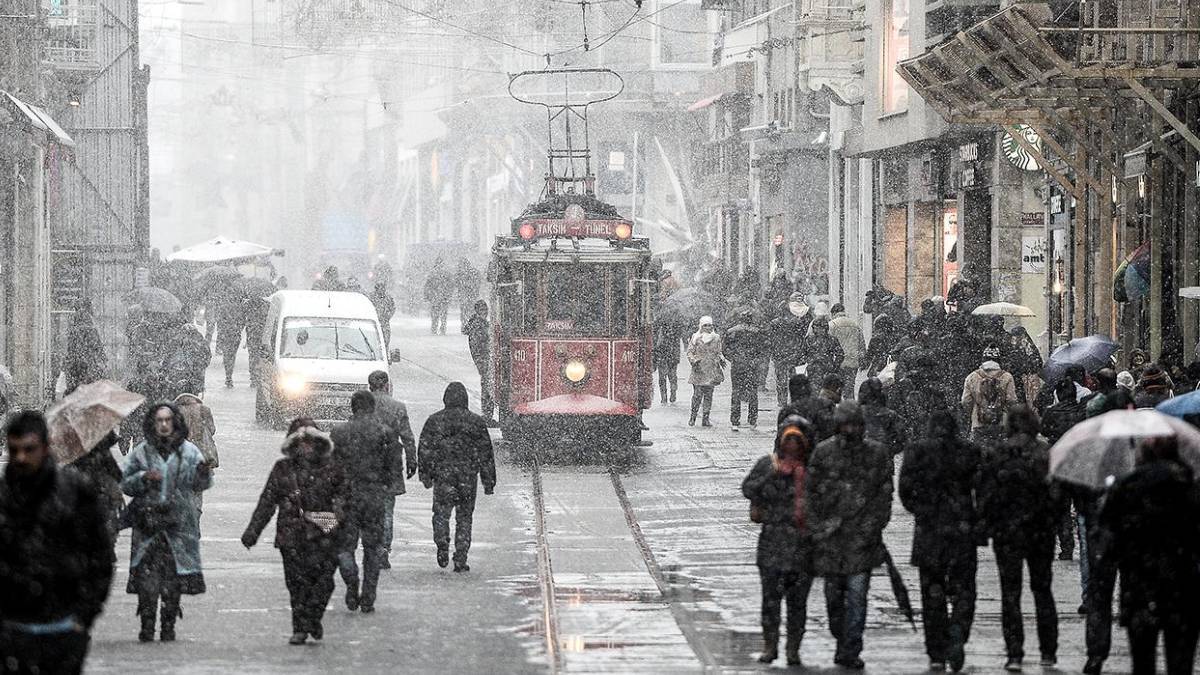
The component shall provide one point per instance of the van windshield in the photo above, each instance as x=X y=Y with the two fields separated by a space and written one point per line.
x=321 y=338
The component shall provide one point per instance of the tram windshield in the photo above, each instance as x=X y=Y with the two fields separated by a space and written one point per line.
x=570 y=299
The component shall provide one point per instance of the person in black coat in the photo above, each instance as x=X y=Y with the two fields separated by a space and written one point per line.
x=745 y=348
x=918 y=395
x=1056 y=422
x=55 y=553
x=1019 y=509
x=455 y=456
x=85 y=359
x=1153 y=518
x=818 y=410
x=667 y=352
x=884 y=425
x=308 y=490
x=775 y=488
x=821 y=352
x=786 y=342
x=885 y=337
x=937 y=485
x=100 y=469
x=368 y=454
x=479 y=340
x=394 y=415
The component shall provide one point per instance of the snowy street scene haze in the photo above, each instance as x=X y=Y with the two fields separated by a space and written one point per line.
x=599 y=336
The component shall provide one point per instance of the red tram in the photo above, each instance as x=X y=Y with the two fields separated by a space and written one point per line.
x=572 y=329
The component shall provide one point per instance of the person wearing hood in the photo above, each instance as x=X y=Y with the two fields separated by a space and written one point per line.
x=1019 y=509
x=163 y=475
x=786 y=342
x=456 y=455
x=918 y=395
x=987 y=393
x=745 y=348
x=815 y=408
x=849 y=491
x=368 y=453
x=884 y=425
x=705 y=353
x=822 y=352
x=1152 y=517
x=849 y=336
x=1138 y=360
x=55 y=553
x=885 y=336
x=85 y=360
x=1026 y=364
x=308 y=491
x=776 y=490
x=937 y=485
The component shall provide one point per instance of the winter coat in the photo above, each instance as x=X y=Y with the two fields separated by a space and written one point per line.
x=1017 y=503
x=56 y=557
x=184 y=476
x=187 y=357
x=885 y=337
x=296 y=485
x=850 y=338
x=1153 y=518
x=394 y=415
x=785 y=336
x=937 y=485
x=99 y=469
x=479 y=339
x=850 y=502
x=86 y=361
x=708 y=364
x=885 y=427
x=201 y=427
x=455 y=448
x=668 y=337
x=1060 y=417
x=915 y=398
x=781 y=545
x=973 y=396
x=385 y=305
x=745 y=347
x=823 y=355
x=368 y=455
x=815 y=408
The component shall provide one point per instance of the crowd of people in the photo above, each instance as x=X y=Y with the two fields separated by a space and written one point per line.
x=331 y=493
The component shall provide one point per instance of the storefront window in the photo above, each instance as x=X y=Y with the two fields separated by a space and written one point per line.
x=895 y=49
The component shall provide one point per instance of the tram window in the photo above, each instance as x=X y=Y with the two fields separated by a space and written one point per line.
x=619 y=284
x=575 y=301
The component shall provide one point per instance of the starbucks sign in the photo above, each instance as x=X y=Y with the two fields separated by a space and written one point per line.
x=1016 y=154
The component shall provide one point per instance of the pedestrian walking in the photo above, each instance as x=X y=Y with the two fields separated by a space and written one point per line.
x=101 y=470
x=885 y=336
x=786 y=335
x=202 y=431
x=479 y=341
x=1027 y=364
x=368 y=455
x=745 y=349
x=1153 y=518
x=455 y=457
x=307 y=489
x=330 y=280
x=385 y=309
x=705 y=353
x=231 y=321
x=439 y=290
x=163 y=474
x=187 y=356
x=884 y=425
x=937 y=485
x=55 y=553
x=850 y=503
x=776 y=490
x=394 y=415
x=256 y=310
x=1056 y=422
x=849 y=336
x=667 y=350
x=804 y=403
x=85 y=360
x=1019 y=510
x=466 y=287
x=1153 y=387
x=822 y=353
x=987 y=393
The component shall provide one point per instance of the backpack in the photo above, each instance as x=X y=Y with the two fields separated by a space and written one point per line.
x=990 y=406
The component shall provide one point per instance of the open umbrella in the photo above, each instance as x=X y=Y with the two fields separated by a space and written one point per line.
x=80 y=420
x=1099 y=450
x=223 y=249
x=255 y=288
x=217 y=273
x=154 y=300
x=899 y=589
x=1190 y=292
x=1092 y=353
x=1181 y=406
x=1003 y=309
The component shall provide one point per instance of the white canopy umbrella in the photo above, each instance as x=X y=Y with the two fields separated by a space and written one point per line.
x=222 y=249
x=1003 y=309
x=1190 y=292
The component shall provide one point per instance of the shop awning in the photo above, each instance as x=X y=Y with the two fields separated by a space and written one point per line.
x=35 y=119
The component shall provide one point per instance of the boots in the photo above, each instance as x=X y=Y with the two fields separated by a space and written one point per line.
x=170 y=612
x=692 y=419
x=704 y=422
x=792 y=650
x=146 y=634
x=770 y=650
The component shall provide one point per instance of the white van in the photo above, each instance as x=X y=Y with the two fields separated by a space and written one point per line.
x=318 y=349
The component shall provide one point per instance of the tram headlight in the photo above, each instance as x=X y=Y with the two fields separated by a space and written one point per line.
x=527 y=231
x=575 y=371
x=293 y=385
x=623 y=230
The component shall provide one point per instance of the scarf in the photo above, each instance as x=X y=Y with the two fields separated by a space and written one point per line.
x=794 y=467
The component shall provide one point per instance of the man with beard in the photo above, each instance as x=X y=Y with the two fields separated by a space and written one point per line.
x=55 y=553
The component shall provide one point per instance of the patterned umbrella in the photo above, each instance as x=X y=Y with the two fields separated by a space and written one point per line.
x=80 y=420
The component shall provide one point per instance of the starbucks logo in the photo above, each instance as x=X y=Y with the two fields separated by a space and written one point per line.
x=1016 y=154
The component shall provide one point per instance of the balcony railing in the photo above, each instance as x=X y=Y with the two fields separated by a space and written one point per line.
x=72 y=34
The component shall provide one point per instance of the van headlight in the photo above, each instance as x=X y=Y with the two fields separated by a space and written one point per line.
x=293 y=385
x=575 y=371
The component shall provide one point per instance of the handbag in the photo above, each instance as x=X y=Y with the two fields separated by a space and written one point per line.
x=153 y=517
x=325 y=521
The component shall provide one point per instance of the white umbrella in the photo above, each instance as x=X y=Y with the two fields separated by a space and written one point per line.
x=222 y=249
x=1102 y=449
x=1003 y=309
x=1190 y=292
x=80 y=420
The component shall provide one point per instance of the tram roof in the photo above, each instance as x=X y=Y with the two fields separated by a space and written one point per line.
x=568 y=250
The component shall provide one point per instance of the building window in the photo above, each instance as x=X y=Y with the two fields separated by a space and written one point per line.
x=71 y=34
x=896 y=39
x=681 y=34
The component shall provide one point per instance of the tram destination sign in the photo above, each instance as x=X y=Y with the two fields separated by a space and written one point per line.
x=553 y=227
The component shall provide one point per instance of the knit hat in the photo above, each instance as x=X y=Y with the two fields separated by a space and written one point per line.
x=990 y=365
x=1125 y=379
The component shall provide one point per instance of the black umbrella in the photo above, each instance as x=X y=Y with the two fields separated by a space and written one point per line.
x=689 y=304
x=154 y=300
x=1091 y=353
x=255 y=288
x=899 y=589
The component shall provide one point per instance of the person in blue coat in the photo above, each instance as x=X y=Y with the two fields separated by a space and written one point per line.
x=163 y=475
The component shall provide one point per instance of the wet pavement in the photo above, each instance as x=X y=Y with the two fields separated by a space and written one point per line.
x=651 y=572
